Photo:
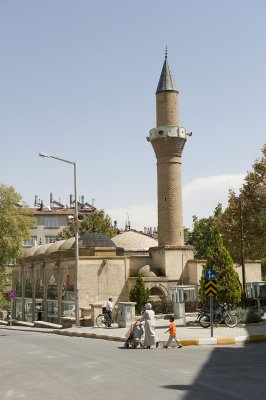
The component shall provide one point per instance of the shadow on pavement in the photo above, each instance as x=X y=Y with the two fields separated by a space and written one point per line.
x=230 y=373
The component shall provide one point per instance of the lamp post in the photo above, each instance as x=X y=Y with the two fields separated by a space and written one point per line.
x=76 y=233
x=242 y=250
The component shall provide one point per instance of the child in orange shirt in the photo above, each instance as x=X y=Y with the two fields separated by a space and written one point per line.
x=172 y=334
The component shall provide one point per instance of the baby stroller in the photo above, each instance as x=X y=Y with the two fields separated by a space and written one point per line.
x=134 y=336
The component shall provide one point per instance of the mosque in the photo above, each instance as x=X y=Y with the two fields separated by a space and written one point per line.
x=45 y=277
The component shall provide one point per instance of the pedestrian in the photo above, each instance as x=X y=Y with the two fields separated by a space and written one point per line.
x=150 y=338
x=172 y=334
x=108 y=310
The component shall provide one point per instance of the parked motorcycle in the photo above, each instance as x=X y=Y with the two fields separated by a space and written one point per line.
x=221 y=314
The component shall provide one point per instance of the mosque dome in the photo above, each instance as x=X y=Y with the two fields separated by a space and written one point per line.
x=134 y=241
x=95 y=239
x=54 y=246
x=67 y=244
x=29 y=251
x=41 y=249
x=146 y=272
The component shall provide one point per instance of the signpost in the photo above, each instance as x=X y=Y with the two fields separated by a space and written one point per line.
x=211 y=290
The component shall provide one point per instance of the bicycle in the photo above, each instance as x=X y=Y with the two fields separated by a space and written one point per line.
x=103 y=320
x=221 y=314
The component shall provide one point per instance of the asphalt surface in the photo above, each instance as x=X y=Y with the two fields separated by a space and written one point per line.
x=51 y=367
x=189 y=335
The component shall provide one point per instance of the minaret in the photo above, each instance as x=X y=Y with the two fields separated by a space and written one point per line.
x=168 y=140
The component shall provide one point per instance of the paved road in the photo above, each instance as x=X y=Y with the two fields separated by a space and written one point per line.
x=50 y=367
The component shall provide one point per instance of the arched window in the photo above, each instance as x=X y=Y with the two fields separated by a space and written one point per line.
x=28 y=300
x=68 y=298
x=18 y=301
x=52 y=301
x=39 y=294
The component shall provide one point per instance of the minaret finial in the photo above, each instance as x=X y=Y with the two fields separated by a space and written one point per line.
x=166 y=52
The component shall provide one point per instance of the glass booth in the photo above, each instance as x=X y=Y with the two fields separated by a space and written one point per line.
x=183 y=293
x=180 y=295
x=255 y=290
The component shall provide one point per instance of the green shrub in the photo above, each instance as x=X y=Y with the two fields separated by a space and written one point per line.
x=4 y=303
x=139 y=294
x=219 y=259
x=248 y=315
x=192 y=306
x=163 y=306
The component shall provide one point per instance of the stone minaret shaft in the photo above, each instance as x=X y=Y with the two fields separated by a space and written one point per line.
x=168 y=140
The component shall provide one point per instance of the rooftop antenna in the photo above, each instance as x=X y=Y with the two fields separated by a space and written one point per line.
x=165 y=52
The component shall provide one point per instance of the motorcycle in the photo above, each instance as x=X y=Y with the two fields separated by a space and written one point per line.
x=220 y=314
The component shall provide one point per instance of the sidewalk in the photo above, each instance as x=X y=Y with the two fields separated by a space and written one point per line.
x=189 y=335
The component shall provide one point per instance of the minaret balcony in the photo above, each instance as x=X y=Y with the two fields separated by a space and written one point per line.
x=168 y=131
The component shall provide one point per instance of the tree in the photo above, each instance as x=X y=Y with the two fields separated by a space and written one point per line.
x=4 y=302
x=201 y=233
x=15 y=222
x=252 y=200
x=219 y=259
x=94 y=222
x=139 y=293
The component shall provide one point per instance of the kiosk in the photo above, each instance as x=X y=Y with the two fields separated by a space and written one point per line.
x=126 y=313
x=180 y=295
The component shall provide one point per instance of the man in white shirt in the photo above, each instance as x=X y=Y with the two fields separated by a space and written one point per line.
x=109 y=308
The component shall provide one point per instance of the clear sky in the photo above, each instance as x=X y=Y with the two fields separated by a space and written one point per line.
x=78 y=81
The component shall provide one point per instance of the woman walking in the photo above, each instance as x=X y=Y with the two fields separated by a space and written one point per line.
x=150 y=338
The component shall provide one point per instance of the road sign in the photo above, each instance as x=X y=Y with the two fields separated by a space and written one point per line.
x=211 y=288
x=11 y=294
x=210 y=274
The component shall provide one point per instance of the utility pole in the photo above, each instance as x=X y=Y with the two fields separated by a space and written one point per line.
x=242 y=250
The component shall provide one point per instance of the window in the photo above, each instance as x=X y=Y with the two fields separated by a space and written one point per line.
x=31 y=242
x=51 y=222
x=50 y=239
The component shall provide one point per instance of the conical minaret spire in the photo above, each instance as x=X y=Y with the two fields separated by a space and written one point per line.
x=166 y=81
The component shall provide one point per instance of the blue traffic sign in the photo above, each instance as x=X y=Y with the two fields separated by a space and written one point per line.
x=210 y=274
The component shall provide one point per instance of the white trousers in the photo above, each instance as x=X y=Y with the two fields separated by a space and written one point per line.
x=172 y=338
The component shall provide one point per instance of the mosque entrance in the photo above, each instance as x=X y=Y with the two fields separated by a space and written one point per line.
x=157 y=294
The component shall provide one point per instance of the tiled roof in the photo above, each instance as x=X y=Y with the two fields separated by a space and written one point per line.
x=48 y=211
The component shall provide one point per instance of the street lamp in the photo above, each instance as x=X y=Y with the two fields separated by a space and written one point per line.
x=242 y=250
x=76 y=233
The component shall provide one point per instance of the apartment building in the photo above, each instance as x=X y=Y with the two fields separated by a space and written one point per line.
x=50 y=221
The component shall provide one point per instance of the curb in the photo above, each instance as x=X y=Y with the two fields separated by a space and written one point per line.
x=232 y=340
x=185 y=342
x=89 y=335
